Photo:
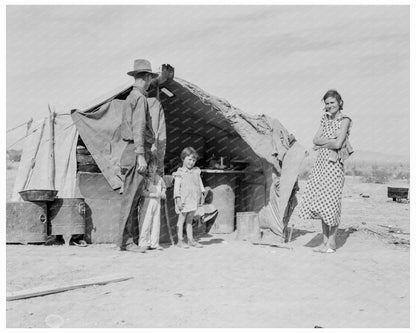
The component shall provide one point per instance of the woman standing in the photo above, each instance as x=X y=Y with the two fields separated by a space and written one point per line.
x=322 y=198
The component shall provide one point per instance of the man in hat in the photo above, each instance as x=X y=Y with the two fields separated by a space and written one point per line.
x=136 y=130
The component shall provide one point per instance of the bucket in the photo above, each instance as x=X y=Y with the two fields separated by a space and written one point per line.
x=26 y=222
x=67 y=216
x=248 y=228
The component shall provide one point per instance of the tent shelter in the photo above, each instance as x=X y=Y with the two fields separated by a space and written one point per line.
x=271 y=156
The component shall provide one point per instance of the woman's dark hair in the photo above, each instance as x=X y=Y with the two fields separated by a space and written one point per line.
x=189 y=151
x=335 y=94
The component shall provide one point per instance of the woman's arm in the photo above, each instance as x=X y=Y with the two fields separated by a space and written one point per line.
x=339 y=140
x=318 y=140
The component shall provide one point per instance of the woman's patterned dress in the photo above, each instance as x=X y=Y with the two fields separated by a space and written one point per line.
x=322 y=198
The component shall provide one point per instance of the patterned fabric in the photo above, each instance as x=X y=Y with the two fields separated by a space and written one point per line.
x=322 y=198
x=188 y=186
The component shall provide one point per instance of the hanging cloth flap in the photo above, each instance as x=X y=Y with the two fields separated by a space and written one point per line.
x=100 y=130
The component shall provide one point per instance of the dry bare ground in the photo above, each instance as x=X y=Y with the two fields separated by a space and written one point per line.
x=230 y=283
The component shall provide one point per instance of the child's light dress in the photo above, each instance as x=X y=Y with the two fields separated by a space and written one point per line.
x=188 y=186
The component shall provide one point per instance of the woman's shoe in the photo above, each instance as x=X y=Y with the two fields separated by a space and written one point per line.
x=325 y=250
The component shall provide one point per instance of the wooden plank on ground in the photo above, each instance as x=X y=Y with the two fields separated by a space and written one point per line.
x=53 y=289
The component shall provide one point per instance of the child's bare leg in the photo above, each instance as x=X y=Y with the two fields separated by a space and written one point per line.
x=189 y=231
x=181 y=220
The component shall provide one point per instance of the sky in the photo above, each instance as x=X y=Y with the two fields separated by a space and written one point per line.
x=275 y=60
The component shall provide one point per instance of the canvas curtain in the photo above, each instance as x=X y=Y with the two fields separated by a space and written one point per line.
x=100 y=130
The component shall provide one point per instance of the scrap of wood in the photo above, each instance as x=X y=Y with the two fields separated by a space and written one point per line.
x=53 y=289
x=273 y=245
x=388 y=236
x=374 y=231
x=396 y=230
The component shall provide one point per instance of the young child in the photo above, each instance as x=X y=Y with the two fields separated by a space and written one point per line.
x=156 y=190
x=188 y=195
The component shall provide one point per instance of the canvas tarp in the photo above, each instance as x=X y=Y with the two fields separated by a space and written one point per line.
x=98 y=126
x=270 y=140
x=267 y=137
x=100 y=130
x=33 y=172
x=272 y=215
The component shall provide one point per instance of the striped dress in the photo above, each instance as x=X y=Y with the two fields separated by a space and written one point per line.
x=323 y=194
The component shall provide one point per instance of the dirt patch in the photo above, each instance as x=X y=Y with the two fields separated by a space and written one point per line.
x=229 y=283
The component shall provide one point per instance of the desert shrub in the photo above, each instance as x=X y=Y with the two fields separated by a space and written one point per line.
x=349 y=172
x=353 y=171
x=358 y=172
x=402 y=174
x=376 y=175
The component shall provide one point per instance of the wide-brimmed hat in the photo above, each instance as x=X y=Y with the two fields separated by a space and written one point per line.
x=140 y=66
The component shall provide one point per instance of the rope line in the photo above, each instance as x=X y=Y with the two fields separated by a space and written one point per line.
x=26 y=122
x=23 y=137
x=12 y=129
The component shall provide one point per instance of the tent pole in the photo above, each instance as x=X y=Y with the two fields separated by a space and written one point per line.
x=28 y=125
x=51 y=149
